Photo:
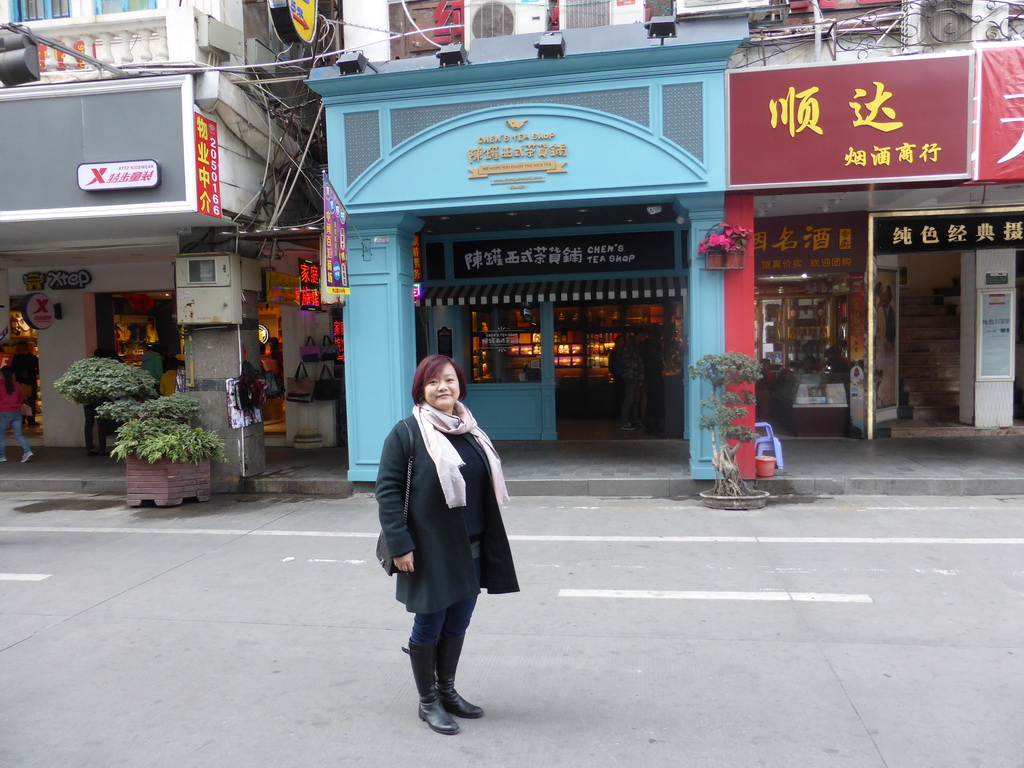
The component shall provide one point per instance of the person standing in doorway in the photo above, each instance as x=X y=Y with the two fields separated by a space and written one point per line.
x=105 y=427
x=11 y=400
x=632 y=377
x=452 y=541
x=153 y=362
x=26 y=373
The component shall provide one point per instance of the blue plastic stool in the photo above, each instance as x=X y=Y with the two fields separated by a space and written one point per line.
x=768 y=442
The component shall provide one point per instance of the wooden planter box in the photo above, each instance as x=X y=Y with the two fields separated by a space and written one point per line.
x=166 y=483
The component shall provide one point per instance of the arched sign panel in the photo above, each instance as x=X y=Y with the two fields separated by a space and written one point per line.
x=511 y=154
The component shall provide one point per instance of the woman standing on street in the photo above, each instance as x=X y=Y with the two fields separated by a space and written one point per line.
x=12 y=397
x=454 y=540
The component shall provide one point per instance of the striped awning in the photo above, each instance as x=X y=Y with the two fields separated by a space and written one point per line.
x=640 y=288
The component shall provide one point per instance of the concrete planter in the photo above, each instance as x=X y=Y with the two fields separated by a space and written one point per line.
x=166 y=483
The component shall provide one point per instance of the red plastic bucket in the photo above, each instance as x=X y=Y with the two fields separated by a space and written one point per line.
x=764 y=466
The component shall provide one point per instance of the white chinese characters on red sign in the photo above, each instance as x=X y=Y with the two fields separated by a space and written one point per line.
x=130 y=174
x=1000 y=135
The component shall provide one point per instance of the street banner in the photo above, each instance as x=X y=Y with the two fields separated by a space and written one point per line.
x=335 y=246
x=1000 y=134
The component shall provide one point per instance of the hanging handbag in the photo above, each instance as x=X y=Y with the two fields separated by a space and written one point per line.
x=328 y=349
x=325 y=389
x=386 y=560
x=299 y=389
x=310 y=351
x=274 y=388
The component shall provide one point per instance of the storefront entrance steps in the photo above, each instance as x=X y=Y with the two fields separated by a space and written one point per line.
x=955 y=466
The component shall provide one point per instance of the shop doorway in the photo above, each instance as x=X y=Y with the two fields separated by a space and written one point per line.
x=810 y=330
x=271 y=339
x=618 y=369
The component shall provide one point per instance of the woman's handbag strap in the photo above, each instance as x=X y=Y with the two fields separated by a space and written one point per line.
x=408 y=469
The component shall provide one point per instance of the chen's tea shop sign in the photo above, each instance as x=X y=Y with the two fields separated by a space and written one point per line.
x=516 y=155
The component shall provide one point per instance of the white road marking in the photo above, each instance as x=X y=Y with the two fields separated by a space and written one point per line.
x=545 y=538
x=24 y=576
x=656 y=594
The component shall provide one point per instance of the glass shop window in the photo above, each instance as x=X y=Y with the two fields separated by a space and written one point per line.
x=505 y=346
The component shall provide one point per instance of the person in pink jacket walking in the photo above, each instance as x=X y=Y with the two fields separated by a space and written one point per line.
x=11 y=400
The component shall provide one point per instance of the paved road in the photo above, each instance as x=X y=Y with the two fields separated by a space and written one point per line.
x=250 y=631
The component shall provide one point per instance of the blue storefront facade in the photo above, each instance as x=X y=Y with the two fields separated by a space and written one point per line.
x=506 y=191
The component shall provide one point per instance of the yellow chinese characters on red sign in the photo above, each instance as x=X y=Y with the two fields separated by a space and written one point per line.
x=207 y=167
x=811 y=244
x=863 y=121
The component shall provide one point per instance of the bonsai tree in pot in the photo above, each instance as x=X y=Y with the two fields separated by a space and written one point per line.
x=167 y=460
x=730 y=375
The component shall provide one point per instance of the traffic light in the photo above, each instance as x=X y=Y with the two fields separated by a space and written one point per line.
x=19 y=59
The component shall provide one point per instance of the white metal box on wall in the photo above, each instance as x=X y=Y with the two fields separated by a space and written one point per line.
x=573 y=14
x=493 y=18
x=209 y=287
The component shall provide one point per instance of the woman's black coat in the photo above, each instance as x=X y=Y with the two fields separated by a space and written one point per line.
x=443 y=564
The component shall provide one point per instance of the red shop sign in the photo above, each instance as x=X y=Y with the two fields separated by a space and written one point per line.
x=1000 y=114
x=866 y=122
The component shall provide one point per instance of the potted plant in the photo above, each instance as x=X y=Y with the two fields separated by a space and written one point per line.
x=730 y=375
x=166 y=459
x=724 y=246
x=104 y=379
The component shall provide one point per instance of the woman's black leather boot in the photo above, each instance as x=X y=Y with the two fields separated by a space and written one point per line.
x=431 y=711
x=449 y=649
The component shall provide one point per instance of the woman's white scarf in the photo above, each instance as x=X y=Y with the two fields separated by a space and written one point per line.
x=447 y=459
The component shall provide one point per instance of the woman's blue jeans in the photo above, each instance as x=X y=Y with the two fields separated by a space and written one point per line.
x=452 y=621
x=12 y=419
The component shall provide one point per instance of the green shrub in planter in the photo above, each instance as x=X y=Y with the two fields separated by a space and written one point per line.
x=101 y=378
x=155 y=430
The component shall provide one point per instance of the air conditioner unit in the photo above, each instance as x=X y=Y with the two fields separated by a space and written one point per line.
x=493 y=18
x=927 y=23
x=720 y=7
x=577 y=14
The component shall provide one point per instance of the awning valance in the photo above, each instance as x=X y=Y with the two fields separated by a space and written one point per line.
x=640 y=288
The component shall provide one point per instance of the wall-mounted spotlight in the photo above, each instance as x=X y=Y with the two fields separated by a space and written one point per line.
x=453 y=55
x=353 y=63
x=661 y=27
x=550 y=46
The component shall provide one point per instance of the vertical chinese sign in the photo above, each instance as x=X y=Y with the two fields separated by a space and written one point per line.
x=1000 y=104
x=887 y=120
x=309 y=285
x=335 y=245
x=207 y=167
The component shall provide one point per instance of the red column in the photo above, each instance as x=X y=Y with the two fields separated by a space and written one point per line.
x=740 y=307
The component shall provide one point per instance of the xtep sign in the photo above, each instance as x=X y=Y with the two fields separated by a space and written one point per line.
x=130 y=174
x=39 y=311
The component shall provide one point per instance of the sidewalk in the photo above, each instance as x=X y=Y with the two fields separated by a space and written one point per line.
x=654 y=468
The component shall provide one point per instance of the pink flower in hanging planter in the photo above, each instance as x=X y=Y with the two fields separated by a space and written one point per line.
x=725 y=237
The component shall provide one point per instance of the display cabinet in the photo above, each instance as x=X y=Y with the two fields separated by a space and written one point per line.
x=794 y=332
